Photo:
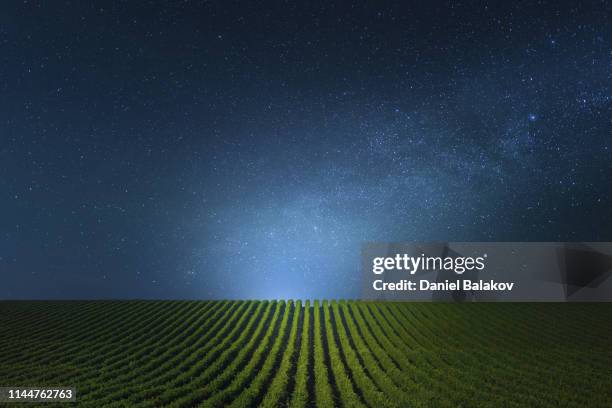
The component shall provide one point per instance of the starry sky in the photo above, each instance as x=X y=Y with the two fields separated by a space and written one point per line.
x=188 y=149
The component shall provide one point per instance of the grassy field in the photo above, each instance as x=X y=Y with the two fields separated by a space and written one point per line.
x=262 y=353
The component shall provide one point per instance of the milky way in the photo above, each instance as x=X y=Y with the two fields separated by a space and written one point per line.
x=207 y=150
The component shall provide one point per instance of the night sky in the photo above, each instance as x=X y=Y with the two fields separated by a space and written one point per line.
x=247 y=150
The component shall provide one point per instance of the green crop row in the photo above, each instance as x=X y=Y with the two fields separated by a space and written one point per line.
x=277 y=392
x=323 y=390
x=299 y=399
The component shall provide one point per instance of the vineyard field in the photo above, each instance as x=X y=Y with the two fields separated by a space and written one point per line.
x=311 y=353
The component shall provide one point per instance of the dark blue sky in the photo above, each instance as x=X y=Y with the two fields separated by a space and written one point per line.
x=243 y=150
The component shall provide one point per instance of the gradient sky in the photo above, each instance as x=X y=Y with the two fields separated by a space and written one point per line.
x=246 y=150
